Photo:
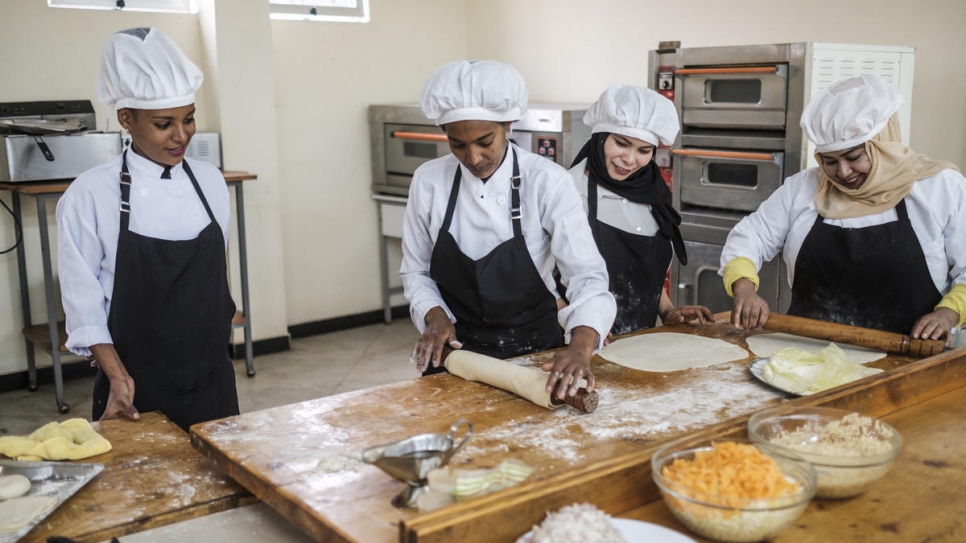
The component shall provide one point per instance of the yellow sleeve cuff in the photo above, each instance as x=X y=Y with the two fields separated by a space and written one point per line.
x=737 y=268
x=955 y=299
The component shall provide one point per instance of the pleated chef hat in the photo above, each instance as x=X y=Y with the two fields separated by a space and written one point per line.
x=636 y=112
x=484 y=90
x=850 y=112
x=142 y=68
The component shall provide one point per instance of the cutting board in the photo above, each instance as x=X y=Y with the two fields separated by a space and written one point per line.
x=151 y=478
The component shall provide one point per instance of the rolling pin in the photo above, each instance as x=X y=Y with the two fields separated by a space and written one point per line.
x=854 y=335
x=529 y=383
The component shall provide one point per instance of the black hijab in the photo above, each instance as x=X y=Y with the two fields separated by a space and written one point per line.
x=645 y=186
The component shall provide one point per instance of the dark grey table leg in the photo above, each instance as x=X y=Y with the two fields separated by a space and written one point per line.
x=51 y=303
x=243 y=266
x=24 y=291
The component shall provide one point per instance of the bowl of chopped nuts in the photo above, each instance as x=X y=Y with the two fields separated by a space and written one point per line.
x=850 y=451
x=732 y=489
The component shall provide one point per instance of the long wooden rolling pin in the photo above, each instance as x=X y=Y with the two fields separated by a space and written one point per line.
x=526 y=382
x=854 y=335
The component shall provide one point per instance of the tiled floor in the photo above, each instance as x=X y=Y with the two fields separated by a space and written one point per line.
x=316 y=366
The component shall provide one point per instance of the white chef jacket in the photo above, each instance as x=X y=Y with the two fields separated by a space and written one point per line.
x=553 y=224
x=88 y=223
x=614 y=210
x=936 y=207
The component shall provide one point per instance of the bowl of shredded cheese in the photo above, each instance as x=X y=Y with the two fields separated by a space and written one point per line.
x=850 y=451
x=732 y=490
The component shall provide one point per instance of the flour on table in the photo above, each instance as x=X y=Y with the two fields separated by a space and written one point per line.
x=666 y=352
x=764 y=345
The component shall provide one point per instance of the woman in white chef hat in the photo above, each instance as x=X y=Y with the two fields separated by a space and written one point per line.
x=629 y=205
x=484 y=227
x=875 y=236
x=141 y=248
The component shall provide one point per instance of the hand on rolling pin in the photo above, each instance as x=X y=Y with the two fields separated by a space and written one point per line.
x=439 y=332
x=572 y=364
x=936 y=325
x=751 y=310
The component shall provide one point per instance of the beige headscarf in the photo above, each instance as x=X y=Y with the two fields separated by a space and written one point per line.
x=895 y=168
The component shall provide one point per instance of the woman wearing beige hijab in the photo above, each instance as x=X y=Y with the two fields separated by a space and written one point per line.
x=875 y=236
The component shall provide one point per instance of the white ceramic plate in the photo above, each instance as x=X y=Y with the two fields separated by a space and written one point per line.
x=636 y=531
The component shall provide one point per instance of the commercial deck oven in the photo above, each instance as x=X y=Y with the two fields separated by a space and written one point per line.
x=740 y=108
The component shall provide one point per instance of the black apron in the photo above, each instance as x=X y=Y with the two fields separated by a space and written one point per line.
x=502 y=306
x=170 y=320
x=873 y=277
x=637 y=266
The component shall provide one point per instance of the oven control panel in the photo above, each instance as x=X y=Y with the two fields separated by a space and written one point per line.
x=547 y=147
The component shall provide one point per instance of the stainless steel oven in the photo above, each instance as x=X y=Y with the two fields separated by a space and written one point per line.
x=402 y=138
x=740 y=138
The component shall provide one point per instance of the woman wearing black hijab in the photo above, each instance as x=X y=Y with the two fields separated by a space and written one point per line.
x=629 y=205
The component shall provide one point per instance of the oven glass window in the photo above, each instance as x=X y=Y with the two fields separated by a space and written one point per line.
x=419 y=150
x=733 y=91
x=735 y=175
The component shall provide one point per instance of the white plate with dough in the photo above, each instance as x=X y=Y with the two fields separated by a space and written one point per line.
x=51 y=484
x=636 y=531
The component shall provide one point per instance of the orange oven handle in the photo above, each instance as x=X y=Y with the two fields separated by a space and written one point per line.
x=745 y=70
x=707 y=153
x=420 y=136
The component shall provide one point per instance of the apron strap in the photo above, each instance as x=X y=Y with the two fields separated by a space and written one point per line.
x=194 y=182
x=125 y=193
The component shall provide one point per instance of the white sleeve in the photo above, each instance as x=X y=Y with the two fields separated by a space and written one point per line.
x=79 y=256
x=954 y=230
x=417 y=245
x=760 y=236
x=582 y=269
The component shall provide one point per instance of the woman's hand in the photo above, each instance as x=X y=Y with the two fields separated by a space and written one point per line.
x=751 y=310
x=570 y=365
x=439 y=331
x=120 y=400
x=688 y=313
x=936 y=325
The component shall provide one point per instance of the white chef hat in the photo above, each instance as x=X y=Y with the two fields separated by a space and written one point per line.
x=636 y=112
x=850 y=112
x=484 y=90
x=142 y=68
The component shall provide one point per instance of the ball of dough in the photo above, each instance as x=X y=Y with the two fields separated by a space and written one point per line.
x=13 y=486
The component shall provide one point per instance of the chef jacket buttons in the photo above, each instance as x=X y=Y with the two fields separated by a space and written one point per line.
x=160 y=228
x=143 y=192
x=625 y=201
x=638 y=228
x=501 y=200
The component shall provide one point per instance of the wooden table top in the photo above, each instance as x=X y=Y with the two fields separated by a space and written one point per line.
x=37 y=188
x=920 y=499
x=151 y=478
x=302 y=459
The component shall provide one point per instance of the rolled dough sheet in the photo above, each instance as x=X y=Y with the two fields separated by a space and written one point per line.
x=666 y=352
x=528 y=383
x=764 y=345
x=18 y=512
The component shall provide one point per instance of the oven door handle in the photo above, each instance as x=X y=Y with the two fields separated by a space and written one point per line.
x=709 y=153
x=740 y=70
x=419 y=136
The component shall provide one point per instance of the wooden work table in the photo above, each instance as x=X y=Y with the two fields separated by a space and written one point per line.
x=151 y=477
x=302 y=459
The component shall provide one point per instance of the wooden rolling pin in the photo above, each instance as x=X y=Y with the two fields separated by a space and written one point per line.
x=854 y=335
x=511 y=377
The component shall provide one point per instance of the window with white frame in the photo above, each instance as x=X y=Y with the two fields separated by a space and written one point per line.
x=345 y=11
x=164 y=6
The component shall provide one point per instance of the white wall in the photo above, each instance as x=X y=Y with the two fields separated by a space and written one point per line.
x=570 y=50
x=326 y=77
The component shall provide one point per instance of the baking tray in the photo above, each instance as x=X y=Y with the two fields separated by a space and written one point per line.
x=60 y=479
x=757 y=368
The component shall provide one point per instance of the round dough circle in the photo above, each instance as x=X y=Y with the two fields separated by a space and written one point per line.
x=13 y=486
x=763 y=345
x=667 y=351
